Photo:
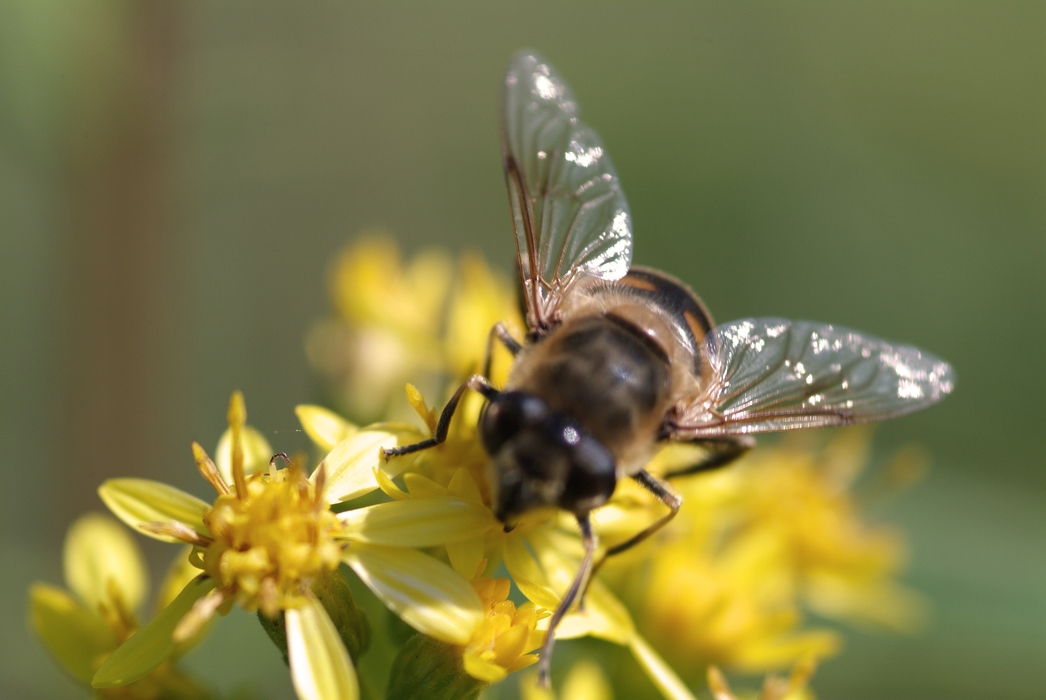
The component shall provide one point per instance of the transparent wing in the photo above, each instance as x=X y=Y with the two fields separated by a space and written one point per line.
x=570 y=216
x=774 y=374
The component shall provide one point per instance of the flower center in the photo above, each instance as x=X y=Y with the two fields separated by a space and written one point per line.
x=500 y=644
x=272 y=541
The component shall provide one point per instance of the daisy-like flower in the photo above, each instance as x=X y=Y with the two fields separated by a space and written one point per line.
x=542 y=553
x=270 y=537
x=106 y=574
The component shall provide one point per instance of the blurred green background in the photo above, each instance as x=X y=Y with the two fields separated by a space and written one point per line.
x=175 y=177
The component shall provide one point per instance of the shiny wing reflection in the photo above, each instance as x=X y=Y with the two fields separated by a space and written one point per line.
x=570 y=215
x=775 y=374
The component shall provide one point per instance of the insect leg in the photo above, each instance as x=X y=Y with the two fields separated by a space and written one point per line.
x=666 y=496
x=589 y=539
x=721 y=452
x=476 y=383
x=500 y=333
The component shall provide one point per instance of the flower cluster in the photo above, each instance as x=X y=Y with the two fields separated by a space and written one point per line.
x=725 y=584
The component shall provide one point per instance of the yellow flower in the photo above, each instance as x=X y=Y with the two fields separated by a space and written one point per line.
x=774 y=688
x=727 y=581
x=502 y=642
x=584 y=682
x=542 y=553
x=106 y=573
x=754 y=547
x=395 y=322
x=270 y=536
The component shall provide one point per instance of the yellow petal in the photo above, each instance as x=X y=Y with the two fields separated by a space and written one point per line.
x=586 y=682
x=426 y=593
x=324 y=427
x=530 y=690
x=481 y=669
x=463 y=484
x=77 y=638
x=320 y=666
x=256 y=452
x=603 y=616
x=100 y=552
x=467 y=555
x=350 y=465
x=419 y=522
x=658 y=670
x=527 y=574
x=138 y=501
x=420 y=486
x=151 y=645
x=782 y=650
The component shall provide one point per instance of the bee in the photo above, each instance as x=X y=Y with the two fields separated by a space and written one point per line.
x=619 y=359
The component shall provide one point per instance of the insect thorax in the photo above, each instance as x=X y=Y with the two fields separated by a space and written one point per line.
x=606 y=374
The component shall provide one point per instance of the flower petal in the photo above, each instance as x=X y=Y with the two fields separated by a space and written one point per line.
x=350 y=465
x=418 y=522
x=100 y=552
x=603 y=616
x=586 y=682
x=320 y=667
x=75 y=636
x=481 y=669
x=426 y=593
x=660 y=673
x=256 y=452
x=138 y=501
x=324 y=427
x=151 y=645
x=527 y=574
x=467 y=555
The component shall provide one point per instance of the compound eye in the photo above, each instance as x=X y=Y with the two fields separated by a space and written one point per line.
x=592 y=478
x=507 y=415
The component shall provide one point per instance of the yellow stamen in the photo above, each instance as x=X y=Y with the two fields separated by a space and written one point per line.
x=208 y=470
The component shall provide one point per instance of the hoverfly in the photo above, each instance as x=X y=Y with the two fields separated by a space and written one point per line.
x=619 y=359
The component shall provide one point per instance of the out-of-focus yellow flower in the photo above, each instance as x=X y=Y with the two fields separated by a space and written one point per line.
x=106 y=573
x=754 y=544
x=585 y=681
x=421 y=321
x=774 y=688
